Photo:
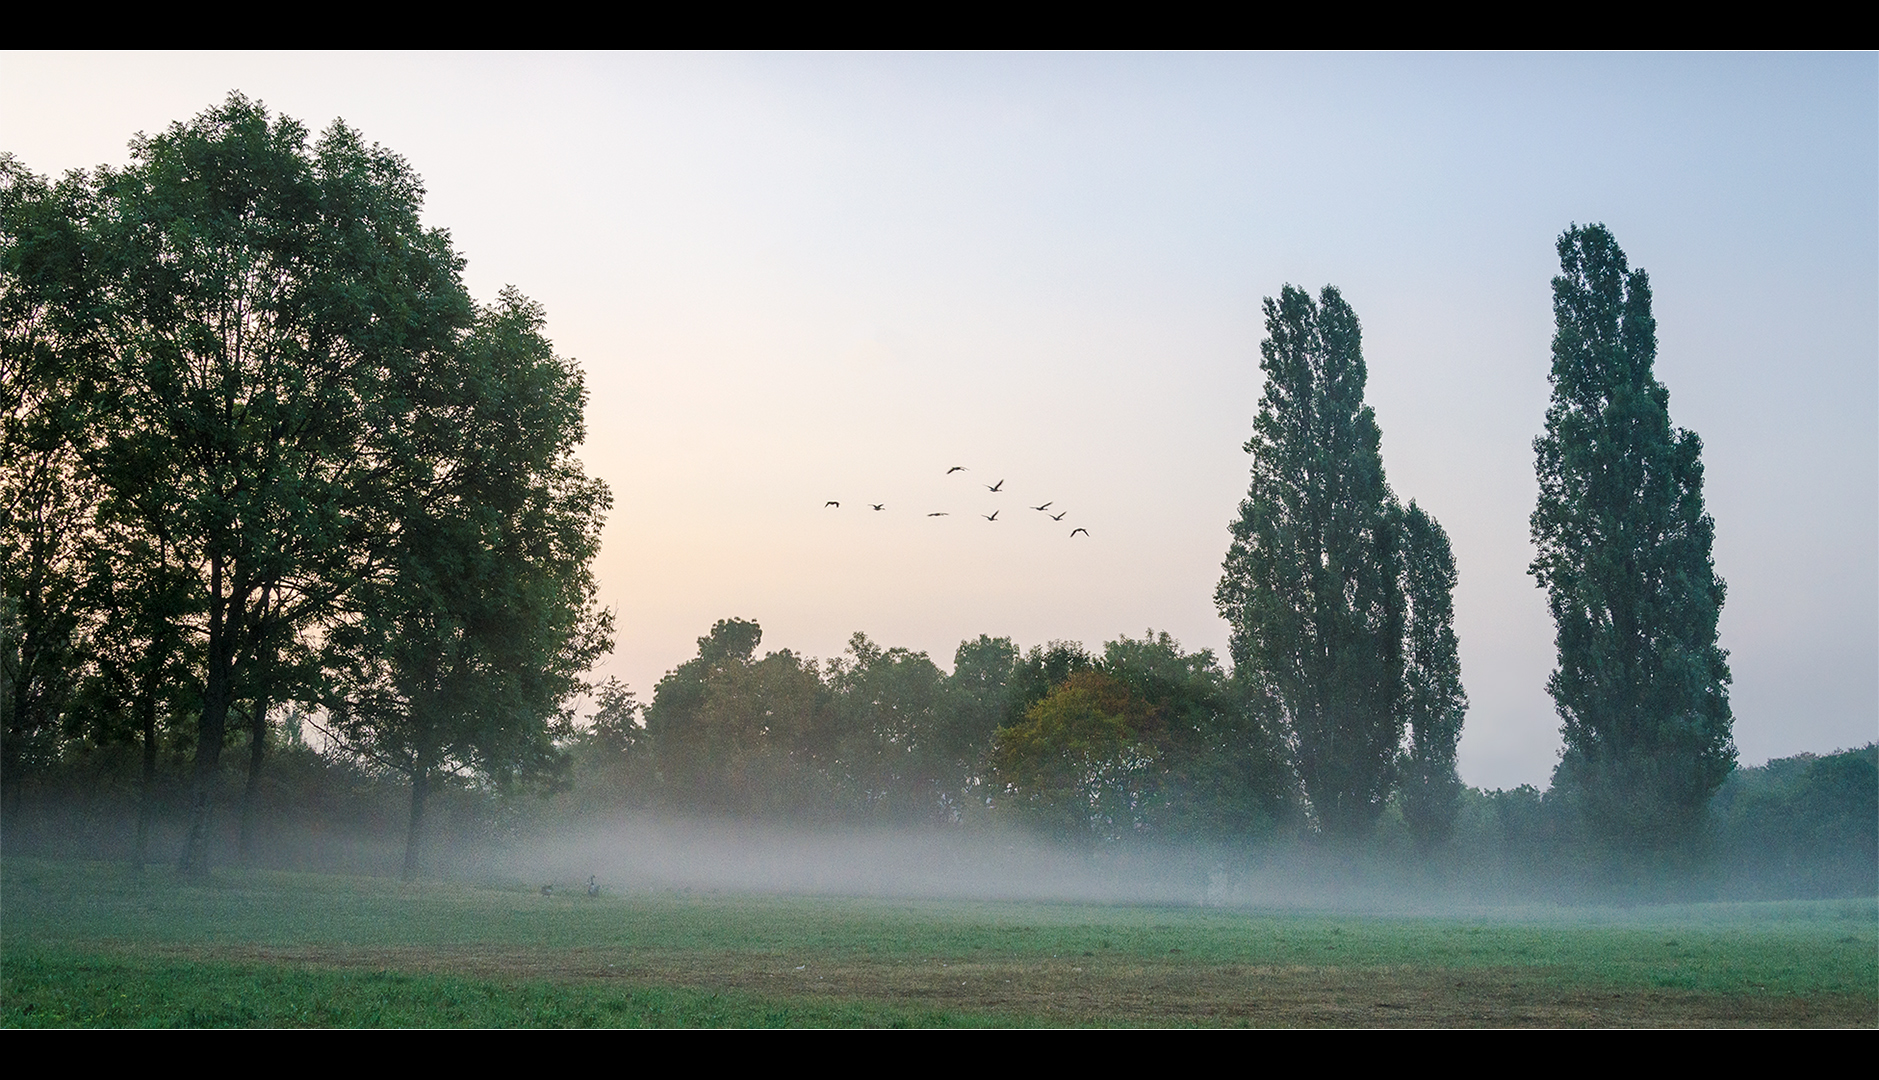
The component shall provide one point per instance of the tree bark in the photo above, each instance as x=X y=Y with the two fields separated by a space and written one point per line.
x=257 y=747
x=420 y=791
x=224 y=617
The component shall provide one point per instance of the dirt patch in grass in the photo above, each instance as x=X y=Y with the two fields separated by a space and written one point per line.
x=1117 y=991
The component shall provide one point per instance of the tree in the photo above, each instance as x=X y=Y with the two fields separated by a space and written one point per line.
x=462 y=655
x=1624 y=555
x=744 y=737
x=243 y=311
x=47 y=500
x=1083 y=762
x=1223 y=773
x=888 y=707
x=1319 y=581
x=1434 y=701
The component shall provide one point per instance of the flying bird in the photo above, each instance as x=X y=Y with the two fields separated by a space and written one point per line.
x=942 y=513
x=1046 y=506
x=878 y=506
x=954 y=469
x=994 y=516
x=1074 y=532
x=995 y=487
x=830 y=503
x=1058 y=517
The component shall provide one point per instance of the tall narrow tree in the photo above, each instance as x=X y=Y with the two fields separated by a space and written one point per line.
x=1433 y=700
x=1624 y=556
x=1311 y=586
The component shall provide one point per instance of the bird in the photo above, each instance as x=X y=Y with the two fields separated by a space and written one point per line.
x=1046 y=506
x=954 y=469
x=593 y=889
x=994 y=516
x=830 y=503
x=940 y=513
x=1058 y=517
x=548 y=890
x=1073 y=532
x=878 y=506
x=995 y=487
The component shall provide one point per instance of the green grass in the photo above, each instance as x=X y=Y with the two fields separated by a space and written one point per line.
x=60 y=988
x=93 y=944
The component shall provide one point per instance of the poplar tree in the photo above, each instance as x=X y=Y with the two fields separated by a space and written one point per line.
x=1624 y=555
x=1434 y=702
x=1312 y=585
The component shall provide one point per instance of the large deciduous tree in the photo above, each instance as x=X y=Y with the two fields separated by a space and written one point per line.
x=257 y=307
x=1318 y=584
x=462 y=653
x=1624 y=556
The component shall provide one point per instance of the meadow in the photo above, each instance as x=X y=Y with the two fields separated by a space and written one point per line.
x=93 y=944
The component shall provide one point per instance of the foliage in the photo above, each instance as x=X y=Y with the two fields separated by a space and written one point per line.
x=1802 y=826
x=889 y=706
x=1434 y=701
x=1223 y=772
x=463 y=652
x=1624 y=555
x=1336 y=618
x=279 y=444
x=1083 y=762
x=731 y=734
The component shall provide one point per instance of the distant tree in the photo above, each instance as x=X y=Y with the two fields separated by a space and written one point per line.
x=743 y=737
x=611 y=767
x=1624 y=555
x=1040 y=670
x=1223 y=773
x=888 y=704
x=1083 y=763
x=975 y=702
x=1313 y=587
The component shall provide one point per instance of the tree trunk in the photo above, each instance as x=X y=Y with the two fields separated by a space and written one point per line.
x=420 y=791
x=256 y=748
x=224 y=617
x=146 y=791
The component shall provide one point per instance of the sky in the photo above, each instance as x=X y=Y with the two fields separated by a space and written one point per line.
x=791 y=279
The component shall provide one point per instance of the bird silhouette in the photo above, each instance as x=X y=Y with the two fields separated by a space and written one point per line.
x=994 y=516
x=1073 y=532
x=995 y=487
x=942 y=513
x=878 y=506
x=830 y=503
x=1046 y=506
x=1057 y=517
x=954 y=469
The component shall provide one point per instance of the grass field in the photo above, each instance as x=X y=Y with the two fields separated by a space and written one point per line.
x=87 y=944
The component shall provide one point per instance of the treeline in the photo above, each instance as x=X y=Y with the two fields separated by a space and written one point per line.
x=1143 y=740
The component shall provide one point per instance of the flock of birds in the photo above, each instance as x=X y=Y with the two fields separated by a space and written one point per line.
x=995 y=489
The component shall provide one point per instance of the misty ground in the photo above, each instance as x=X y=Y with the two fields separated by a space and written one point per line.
x=95 y=944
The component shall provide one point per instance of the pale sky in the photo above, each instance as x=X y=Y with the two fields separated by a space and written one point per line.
x=792 y=279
